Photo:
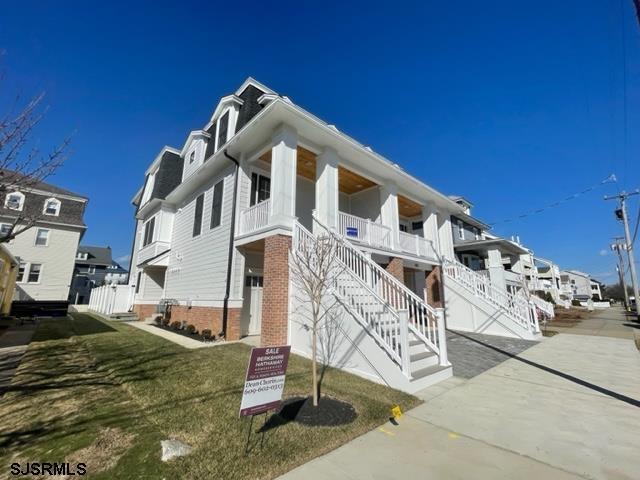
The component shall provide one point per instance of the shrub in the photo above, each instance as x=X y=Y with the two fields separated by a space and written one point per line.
x=176 y=325
x=165 y=321
x=206 y=334
x=157 y=321
x=191 y=329
x=575 y=303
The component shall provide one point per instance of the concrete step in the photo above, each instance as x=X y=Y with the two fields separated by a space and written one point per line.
x=427 y=372
x=423 y=360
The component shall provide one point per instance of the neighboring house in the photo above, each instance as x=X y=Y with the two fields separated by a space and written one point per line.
x=46 y=251
x=576 y=284
x=596 y=289
x=219 y=219
x=116 y=275
x=8 y=273
x=500 y=260
x=91 y=268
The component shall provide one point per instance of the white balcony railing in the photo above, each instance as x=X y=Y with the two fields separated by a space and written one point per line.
x=255 y=217
x=417 y=245
x=364 y=230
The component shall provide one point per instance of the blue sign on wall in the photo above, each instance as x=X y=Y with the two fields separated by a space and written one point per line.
x=352 y=231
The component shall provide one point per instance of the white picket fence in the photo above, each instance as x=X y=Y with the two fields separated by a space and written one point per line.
x=110 y=299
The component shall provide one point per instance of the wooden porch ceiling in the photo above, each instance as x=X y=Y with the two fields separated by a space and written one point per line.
x=348 y=182
x=408 y=208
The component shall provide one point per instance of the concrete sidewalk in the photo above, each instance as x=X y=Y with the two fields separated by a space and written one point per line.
x=568 y=407
x=13 y=344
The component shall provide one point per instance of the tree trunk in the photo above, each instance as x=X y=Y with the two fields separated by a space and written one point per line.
x=314 y=367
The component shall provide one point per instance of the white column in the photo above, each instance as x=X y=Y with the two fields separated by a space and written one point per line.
x=283 y=177
x=389 y=213
x=517 y=262
x=430 y=227
x=445 y=236
x=496 y=269
x=327 y=188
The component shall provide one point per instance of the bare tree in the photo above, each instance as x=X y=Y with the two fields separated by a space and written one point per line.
x=22 y=165
x=315 y=269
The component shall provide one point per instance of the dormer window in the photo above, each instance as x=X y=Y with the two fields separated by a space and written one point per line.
x=52 y=207
x=192 y=156
x=14 y=201
x=82 y=255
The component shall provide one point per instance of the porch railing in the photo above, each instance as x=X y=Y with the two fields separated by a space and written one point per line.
x=417 y=245
x=364 y=230
x=255 y=217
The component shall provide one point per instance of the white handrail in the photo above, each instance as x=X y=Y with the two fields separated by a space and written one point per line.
x=255 y=217
x=544 y=306
x=423 y=319
x=515 y=305
x=381 y=321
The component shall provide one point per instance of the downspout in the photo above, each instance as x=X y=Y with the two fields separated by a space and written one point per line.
x=232 y=229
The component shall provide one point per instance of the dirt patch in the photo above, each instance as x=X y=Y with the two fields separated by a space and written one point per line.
x=104 y=453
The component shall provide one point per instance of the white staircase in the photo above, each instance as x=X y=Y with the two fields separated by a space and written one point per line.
x=489 y=309
x=410 y=332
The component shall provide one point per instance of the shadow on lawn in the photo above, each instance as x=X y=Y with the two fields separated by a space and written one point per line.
x=566 y=376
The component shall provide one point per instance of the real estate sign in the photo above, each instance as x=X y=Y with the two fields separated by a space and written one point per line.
x=265 y=380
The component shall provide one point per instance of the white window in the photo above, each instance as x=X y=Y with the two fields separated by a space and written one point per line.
x=477 y=232
x=192 y=156
x=82 y=255
x=42 y=237
x=34 y=273
x=21 y=269
x=14 y=201
x=5 y=228
x=92 y=269
x=460 y=230
x=51 y=207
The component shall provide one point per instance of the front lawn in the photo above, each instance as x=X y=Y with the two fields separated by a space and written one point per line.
x=106 y=394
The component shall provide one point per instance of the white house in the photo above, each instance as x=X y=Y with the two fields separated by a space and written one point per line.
x=46 y=251
x=219 y=219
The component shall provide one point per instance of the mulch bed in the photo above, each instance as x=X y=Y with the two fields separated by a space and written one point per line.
x=330 y=412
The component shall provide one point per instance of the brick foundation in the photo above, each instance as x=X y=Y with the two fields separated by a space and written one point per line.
x=396 y=268
x=275 y=290
x=144 y=311
x=435 y=294
x=208 y=318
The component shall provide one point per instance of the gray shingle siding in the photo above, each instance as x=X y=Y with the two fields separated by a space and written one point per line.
x=250 y=107
x=168 y=176
x=71 y=211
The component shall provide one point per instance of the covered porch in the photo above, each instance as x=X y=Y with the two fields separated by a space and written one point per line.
x=498 y=259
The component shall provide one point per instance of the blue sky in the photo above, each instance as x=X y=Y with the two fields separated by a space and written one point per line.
x=514 y=105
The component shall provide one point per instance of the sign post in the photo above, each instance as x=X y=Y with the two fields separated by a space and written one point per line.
x=264 y=382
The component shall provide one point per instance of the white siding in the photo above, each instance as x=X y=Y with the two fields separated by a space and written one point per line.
x=199 y=146
x=57 y=260
x=198 y=265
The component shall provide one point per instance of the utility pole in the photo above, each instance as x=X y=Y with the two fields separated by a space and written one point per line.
x=617 y=246
x=621 y=213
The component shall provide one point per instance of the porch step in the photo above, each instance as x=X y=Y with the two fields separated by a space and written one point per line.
x=427 y=372
x=423 y=360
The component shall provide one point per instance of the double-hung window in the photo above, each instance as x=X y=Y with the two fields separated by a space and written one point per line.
x=52 y=207
x=216 y=205
x=149 y=227
x=42 y=237
x=460 y=230
x=34 y=273
x=197 y=218
x=21 y=269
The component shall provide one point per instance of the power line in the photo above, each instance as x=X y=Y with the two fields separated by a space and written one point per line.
x=610 y=179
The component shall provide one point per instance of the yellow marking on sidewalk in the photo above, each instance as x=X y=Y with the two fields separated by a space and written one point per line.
x=391 y=434
x=453 y=435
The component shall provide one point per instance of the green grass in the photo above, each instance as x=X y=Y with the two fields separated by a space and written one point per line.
x=82 y=376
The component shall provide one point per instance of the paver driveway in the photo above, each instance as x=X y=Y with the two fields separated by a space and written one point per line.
x=568 y=407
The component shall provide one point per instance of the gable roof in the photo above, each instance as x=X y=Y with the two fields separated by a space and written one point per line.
x=95 y=255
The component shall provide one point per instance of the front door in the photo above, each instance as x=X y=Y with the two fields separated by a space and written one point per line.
x=251 y=317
